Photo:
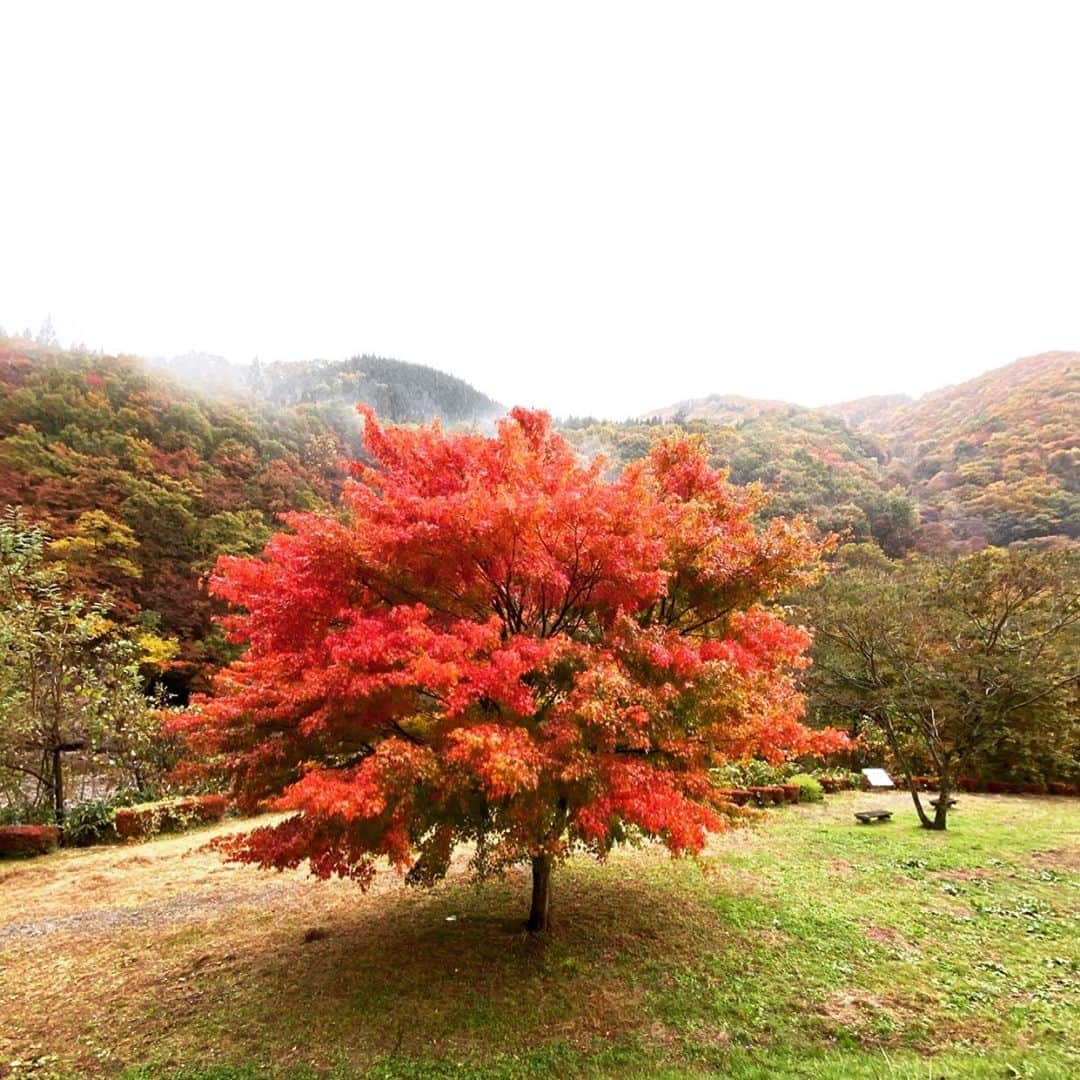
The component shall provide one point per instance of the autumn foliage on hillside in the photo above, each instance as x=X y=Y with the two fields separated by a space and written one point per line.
x=811 y=464
x=991 y=461
x=996 y=459
x=497 y=644
x=142 y=483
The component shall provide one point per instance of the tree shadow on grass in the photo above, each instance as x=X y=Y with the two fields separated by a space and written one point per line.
x=453 y=971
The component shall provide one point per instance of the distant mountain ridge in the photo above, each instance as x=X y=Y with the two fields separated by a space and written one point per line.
x=869 y=413
x=719 y=408
x=992 y=460
x=203 y=459
x=879 y=412
x=400 y=392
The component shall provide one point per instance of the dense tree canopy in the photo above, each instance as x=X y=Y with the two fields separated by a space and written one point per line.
x=499 y=644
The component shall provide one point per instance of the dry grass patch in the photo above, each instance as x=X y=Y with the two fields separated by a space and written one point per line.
x=1064 y=858
x=890 y=938
x=110 y=957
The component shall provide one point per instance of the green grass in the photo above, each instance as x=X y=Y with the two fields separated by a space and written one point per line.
x=808 y=947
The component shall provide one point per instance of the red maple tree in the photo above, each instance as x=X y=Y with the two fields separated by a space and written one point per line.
x=496 y=643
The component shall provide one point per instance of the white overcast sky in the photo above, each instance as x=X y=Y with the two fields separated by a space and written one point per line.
x=592 y=207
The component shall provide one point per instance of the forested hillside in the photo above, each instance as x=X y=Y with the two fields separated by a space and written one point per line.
x=399 y=392
x=991 y=461
x=143 y=482
x=996 y=459
x=719 y=409
x=813 y=464
x=868 y=413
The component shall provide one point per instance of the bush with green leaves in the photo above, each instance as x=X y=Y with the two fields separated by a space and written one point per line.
x=757 y=773
x=90 y=822
x=809 y=789
x=23 y=812
x=754 y=773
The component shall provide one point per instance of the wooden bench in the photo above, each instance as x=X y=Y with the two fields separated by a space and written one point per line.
x=866 y=816
x=950 y=803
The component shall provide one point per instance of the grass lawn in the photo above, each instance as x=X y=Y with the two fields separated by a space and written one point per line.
x=806 y=946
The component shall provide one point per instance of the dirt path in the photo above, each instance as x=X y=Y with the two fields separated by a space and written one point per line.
x=88 y=937
x=155 y=885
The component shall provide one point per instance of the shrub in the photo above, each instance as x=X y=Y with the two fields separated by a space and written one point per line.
x=90 y=822
x=1057 y=788
x=28 y=839
x=729 y=776
x=26 y=813
x=838 y=782
x=761 y=774
x=841 y=781
x=170 y=815
x=747 y=774
x=808 y=787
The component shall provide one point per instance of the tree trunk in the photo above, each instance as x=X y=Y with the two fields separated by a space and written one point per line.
x=894 y=743
x=924 y=820
x=942 y=810
x=58 y=786
x=540 y=913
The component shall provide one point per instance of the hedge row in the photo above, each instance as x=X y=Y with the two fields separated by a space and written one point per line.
x=832 y=784
x=28 y=839
x=998 y=787
x=761 y=795
x=170 y=815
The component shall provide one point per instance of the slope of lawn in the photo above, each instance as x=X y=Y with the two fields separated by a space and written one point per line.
x=805 y=946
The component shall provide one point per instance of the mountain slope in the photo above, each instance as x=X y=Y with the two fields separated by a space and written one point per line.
x=719 y=409
x=868 y=413
x=995 y=459
x=399 y=392
x=812 y=464
x=145 y=481
x=991 y=461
